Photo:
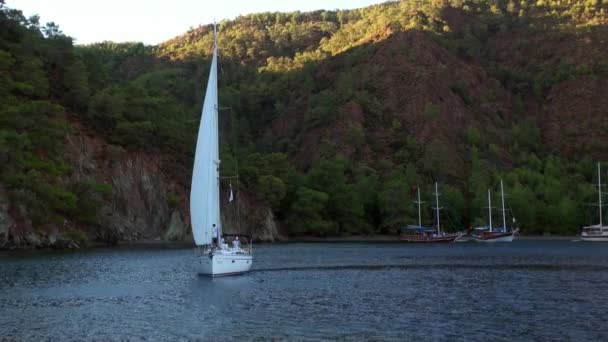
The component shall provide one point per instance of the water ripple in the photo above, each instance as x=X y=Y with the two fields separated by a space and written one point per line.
x=308 y=292
x=397 y=267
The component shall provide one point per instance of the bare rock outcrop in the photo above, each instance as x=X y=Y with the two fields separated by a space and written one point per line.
x=137 y=208
x=250 y=217
x=177 y=230
x=6 y=221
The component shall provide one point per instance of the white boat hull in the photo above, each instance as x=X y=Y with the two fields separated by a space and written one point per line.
x=595 y=238
x=223 y=264
x=595 y=233
x=508 y=238
x=502 y=238
x=602 y=237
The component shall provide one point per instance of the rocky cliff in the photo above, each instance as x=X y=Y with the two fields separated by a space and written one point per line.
x=144 y=202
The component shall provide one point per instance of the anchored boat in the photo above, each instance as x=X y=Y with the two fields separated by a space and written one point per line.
x=598 y=232
x=423 y=234
x=495 y=234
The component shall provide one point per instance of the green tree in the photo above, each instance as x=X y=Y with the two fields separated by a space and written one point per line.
x=272 y=189
x=76 y=86
x=308 y=214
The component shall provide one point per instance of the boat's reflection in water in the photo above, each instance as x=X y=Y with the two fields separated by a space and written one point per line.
x=220 y=292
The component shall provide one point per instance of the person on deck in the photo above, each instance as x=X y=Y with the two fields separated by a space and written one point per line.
x=236 y=243
x=214 y=237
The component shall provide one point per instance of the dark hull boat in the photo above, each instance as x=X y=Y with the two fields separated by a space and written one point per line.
x=494 y=236
x=433 y=234
x=426 y=235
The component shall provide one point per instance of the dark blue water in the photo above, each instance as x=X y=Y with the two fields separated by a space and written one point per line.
x=526 y=290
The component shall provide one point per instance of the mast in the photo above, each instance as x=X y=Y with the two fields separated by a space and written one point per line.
x=419 y=214
x=437 y=208
x=214 y=36
x=419 y=209
x=490 y=209
x=599 y=191
x=217 y=138
x=502 y=195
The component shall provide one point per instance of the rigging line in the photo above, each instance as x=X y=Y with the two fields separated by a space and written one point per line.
x=449 y=213
x=512 y=215
x=238 y=189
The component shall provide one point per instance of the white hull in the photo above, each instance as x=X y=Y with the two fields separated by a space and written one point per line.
x=507 y=238
x=595 y=233
x=223 y=264
x=595 y=238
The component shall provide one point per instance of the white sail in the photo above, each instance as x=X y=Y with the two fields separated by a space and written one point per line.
x=204 y=193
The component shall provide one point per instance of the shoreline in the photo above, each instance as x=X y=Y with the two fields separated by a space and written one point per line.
x=353 y=238
x=548 y=237
x=327 y=239
x=392 y=238
x=162 y=244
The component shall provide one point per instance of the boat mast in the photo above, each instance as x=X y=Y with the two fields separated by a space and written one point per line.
x=599 y=190
x=490 y=209
x=217 y=132
x=419 y=214
x=502 y=195
x=437 y=208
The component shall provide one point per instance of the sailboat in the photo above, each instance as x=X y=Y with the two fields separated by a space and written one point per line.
x=217 y=254
x=495 y=234
x=419 y=233
x=598 y=232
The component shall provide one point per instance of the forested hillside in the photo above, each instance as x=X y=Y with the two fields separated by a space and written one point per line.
x=334 y=118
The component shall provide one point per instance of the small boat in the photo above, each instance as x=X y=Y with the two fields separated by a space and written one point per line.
x=483 y=234
x=423 y=234
x=217 y=254
x=495 y=234
x=598 y=232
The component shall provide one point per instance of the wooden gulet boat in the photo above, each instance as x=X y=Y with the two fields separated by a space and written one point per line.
x=495 y=234
x=420 y=234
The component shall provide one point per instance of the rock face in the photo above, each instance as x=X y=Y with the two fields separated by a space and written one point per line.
x=6 y=222
x=249 y=217
x=177 y=230
x=138 y=207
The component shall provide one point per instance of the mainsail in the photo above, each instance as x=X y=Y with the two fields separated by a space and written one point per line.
x=204 y=193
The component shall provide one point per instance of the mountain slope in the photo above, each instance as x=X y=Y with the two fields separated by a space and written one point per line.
x=333 y=116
